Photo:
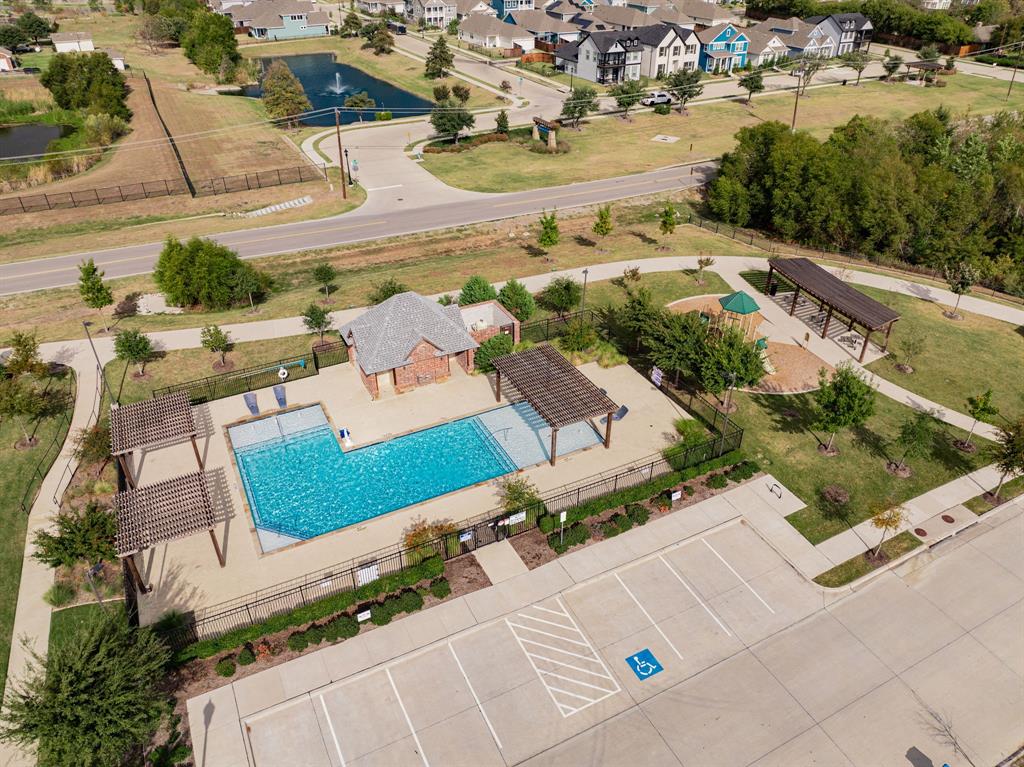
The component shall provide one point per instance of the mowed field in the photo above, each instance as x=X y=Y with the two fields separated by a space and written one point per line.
x=611 y=146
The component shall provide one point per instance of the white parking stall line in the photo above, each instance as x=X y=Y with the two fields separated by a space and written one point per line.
x=648 y=616
x=408 y=721
x=693 y=594
x=472 y=692
x=553 y=612
x=334 y=735
x=738 y=576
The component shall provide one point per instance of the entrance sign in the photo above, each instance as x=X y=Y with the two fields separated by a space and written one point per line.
x=515 y=519
x=644 y=664
x=656 y=376
x=466 y=536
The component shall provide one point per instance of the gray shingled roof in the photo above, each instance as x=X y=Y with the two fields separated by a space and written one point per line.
x=386 y=335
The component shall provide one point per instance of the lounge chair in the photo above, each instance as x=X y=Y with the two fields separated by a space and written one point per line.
x=618 y=415
x=250 y=402
x=282 y=400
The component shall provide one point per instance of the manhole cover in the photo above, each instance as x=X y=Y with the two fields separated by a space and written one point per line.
x=948 y=519
x=662 y=138
x=920 y=532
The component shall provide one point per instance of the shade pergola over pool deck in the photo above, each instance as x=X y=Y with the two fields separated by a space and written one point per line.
x=162 y=512
x=553 y=386
x=161 y=421
x=839 y=297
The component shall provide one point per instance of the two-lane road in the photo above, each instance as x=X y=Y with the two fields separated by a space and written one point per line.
x=358 y=226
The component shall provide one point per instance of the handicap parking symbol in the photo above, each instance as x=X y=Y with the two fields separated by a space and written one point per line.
x=644 y=664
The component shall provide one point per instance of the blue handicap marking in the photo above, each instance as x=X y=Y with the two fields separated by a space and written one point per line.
x=644 y=664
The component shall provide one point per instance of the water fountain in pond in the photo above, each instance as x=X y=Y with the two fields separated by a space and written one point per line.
x=337 y=89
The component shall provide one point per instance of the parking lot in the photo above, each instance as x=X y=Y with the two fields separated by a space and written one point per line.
x=713 y=651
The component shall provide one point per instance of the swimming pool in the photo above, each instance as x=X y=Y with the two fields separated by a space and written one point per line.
x=300 y=484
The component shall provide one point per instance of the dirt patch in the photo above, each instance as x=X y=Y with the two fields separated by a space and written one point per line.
x=223 y=367
x=903 y=472
x=465 y=575
x=829 y=452
x=796 y=370
x=533 y=549
x=905 y=369
x=964 y=446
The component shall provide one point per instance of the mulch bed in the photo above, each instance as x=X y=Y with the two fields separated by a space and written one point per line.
x=903 y=472
x=465 y=576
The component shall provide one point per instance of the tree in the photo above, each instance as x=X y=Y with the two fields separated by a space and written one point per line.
x=807 y=68
x=323 y=274
x=980 y=408
x=133 y=347
x=675 y=341
x=22 y=402
x=495 y=346
x=155 y=31
x=251 y=285
x=381 y=41
x=857 y=61
x=517 y=299
x=844 y=400
x=685 y=85
x=440 y=59
x=283 y=94
x=476 y=290
x=442 y=92
x=90 y=701
x=79 y=536
x=911 y=344
x=351 y=26
x=929 y=52
x=891 y=64
x=562 y=295
x=317 y=320
x=87 y=81
x=960 y=276
x=667 y=219
x=888 y=521
x=359 y=102
x=453 y=27
x=94 y=292
x=752 y=82
x=204 y=272
x=627 y=95
x=382 y=291
x=603 y=225
x=216 y=340
x=449 y=118
x=33 y=26
x=548 y=237
x=637 y=318
x=461 y=93
x=915 y=437
x=581 y=101
x=1008 y=452
x=24 y=358
x=501 y=123
x=209 y=40
x=11 y=37
x=704 y=262
x=729 y=360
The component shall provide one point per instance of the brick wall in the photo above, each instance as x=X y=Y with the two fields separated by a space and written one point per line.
x=425 y=368
x=370 y=382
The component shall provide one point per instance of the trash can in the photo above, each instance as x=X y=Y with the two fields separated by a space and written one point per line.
x=773 y=289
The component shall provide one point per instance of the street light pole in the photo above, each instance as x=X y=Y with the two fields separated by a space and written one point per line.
x=99 y=365
x=583 y=301
x=337 y=133
x=349 y=167
x=796 y=103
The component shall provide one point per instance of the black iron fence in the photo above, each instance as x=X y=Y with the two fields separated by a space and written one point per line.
x=551 y=328
x=38 y=473
x=259 y=376
x=259 y=180
x=84 y=198
x=484 y=529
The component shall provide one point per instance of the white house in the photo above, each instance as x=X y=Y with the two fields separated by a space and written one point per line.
x=764 y=47
x=849 y=31
x=464 y=8
x=800 y=37
x=544 y=27
x=117 y=57
x=72 y=42
x=488 y=32
x=666 y=49
x=435 y=13
x=935 y=5
x=377 y=7
x=7 y=63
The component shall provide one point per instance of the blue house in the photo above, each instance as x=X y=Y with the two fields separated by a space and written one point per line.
x=723 y=48
x=280 y=19
x=505 y=7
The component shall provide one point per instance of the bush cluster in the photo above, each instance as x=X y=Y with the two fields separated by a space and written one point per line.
x=466 y=145
x=225 y=667
x=716 y=481
x=441 y=588
x=428 y=569
x=617 y=523
x=662 y=109
x=742 y=471
x=575 y=534
x=638 y=513
x=334 y=630
x=246 y=657
x=407 y=602
x=495 y=346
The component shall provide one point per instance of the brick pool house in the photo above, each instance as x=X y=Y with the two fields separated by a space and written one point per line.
x=410 y=341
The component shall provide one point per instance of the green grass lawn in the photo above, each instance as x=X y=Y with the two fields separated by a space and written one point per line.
x=979 y=504
x=613 y=147
x=781 y=437
x=960 y=358
x=861 y=565
x=65 y=624
x=19 y=479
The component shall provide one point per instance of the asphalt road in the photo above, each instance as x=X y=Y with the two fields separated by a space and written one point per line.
x=357 y=226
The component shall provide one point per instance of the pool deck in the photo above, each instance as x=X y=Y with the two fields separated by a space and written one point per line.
x=185 y=575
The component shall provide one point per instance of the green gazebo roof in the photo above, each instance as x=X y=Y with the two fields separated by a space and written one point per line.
x=739 y=303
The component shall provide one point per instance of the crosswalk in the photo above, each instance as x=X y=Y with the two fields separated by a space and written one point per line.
x=566 y=663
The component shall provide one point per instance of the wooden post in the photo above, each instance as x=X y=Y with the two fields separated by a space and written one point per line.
x=888 y=330
x=608 y=431
x=195 y=449
x=828 y=319
x=341 y=154
x=796 y=295
x=497 y=386
x=554 y=446
x=851 y=325
x=216 y=547
x=127 y=471
x=864 y=349
x=136 y=576
x=768 y=284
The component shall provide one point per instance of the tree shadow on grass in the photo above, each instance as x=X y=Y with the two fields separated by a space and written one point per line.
x=945 y=452
x=533 y=250
x=872 y=442
x=646 y=239
x=584 y=242
x=793 y=414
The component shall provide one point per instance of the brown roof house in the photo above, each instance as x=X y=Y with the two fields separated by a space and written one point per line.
x=410 y=341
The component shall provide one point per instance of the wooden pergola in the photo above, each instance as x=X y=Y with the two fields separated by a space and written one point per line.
x=553 y=386
x=838 y=296
x=151 y=423
x=162 y=512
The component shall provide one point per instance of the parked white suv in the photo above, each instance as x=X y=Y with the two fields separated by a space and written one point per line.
x=656 y=97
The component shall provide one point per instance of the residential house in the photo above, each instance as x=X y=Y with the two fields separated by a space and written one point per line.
x=692 y=12
x=677 y=49
x=378 y=7
x=723 y=48
x=116 y=57
x=801 y=37
x=613 y=56
x=7 y=61
x=764 y=47
x=72 y=42
x=280 y=19
x=504 y=7
x=565 y=10
x=410 y=340
x=489 y=32
x=648 y=6
x=435 y=13
x=618 y=18
x=464 y=8
x=848 y=31
x=935 y=5
x=546 y=29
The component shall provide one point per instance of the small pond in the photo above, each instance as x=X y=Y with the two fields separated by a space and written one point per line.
x=329 y=83
x=29 y=138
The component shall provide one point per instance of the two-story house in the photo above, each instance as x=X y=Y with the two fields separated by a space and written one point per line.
x=435 y=13
x=546 y=29
x=801 y=37
x=377 y=7
x=764 y=47
x=281 y=19
x=504 y=7
x=723 y=48
x=488 y=32
x=606 y=58
x=464 y=8
x=668 y=48
x=848 y=31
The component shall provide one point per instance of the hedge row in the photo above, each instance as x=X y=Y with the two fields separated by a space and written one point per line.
x=466 y=144
x=428 y=569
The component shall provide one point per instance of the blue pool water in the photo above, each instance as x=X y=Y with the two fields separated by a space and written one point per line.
x=300 y=484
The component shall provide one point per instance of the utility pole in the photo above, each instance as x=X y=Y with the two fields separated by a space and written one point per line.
x=341 y=158
x=1012 y=78
x=796 y=103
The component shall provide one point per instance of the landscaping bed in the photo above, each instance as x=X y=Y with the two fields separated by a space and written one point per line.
x=862 y=564
x=983 y=503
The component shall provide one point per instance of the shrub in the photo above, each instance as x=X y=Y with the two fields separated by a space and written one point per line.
x=410 y=601
x=381 y=614
x=127 y=306
x=475 y=290
x=547 y=523
x=246 y=656
x=343 y=627
x=382 y=115
x=86 y=535
x=60 y=593
x=420 y=533
x=689 y=490
x=835 y=495
x=716 y=481
x=103 y=129
x=579 y=336
x=517 y=493
x=662 y=109
x=690 y=432
x=225 y=667
x=742 y=471
x=494 y=346
x=298 y=641
x=315 y=634
x=637 y=513
x=610 y=528
x=574 y=535
x=441 y=588
x=383 y=290
x=562 y=295
x=517 y=299
x=623 y=521
x=93 y=444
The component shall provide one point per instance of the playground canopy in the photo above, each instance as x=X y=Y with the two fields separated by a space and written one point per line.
x=738 y=303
